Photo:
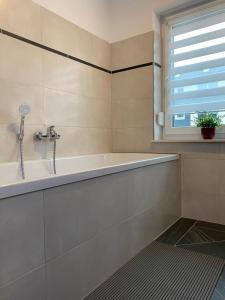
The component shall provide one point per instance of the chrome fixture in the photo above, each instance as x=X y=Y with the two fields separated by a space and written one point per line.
x=52 y=136
x=24 y=110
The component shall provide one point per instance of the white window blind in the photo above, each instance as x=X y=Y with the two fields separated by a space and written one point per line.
x=196 y=63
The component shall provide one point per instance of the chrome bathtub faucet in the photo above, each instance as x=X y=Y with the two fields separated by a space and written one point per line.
x=52 y=136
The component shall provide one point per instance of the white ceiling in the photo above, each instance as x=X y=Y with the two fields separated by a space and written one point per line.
x=113 y=20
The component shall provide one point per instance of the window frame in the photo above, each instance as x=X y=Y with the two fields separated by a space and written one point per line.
x=185 y=132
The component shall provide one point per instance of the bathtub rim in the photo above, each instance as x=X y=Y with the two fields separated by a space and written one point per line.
x=39 y=184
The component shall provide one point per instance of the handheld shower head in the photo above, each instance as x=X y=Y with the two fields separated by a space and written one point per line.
x=24 y=110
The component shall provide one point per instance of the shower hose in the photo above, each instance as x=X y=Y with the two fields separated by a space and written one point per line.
x=21 y=160
x=54 y=157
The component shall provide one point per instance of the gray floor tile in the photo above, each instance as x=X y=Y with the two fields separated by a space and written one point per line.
x=214 y=249
x=202 y=235
x=175 y=232
x=211 y=225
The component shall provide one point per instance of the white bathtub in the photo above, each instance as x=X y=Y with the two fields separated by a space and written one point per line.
x=39 y=172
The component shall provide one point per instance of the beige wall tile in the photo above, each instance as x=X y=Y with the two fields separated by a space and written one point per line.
x=14 y=94
x=133 y=51
x=77 y=141
x=21 y=78
x=202 y=179
x=132 y=113
x=201 y=206
x=59 y=33
x=85 y=49
x=102 y=53
x=97 y=84
x=132 y=110
x=134 y=84
x=200 y=189
x=19 y=61
x=65 y=109
x=221 y=150
x=221 y=172
x=71 y=39
x=21 y=17
x=62 y=74
x=67 y=75
x=200 y=175
x=9 y=144
x=132 y=139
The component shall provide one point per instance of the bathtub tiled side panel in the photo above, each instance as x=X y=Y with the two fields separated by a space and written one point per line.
x=89 y=229
x=154 y=202
x=21 y=236
x=78 y=212
x=32 y=286
x=99 y=224
x=80 y=270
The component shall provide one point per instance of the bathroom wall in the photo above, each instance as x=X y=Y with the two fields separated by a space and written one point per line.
x=61 y=91
x=202 y=172
x=135 y=61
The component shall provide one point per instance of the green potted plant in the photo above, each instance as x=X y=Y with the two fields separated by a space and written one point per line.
x=208 y=122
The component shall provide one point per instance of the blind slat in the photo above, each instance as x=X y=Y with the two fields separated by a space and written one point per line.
x=197 y=67
x=199 y=23
x=199 y=80
x=199 y=53
x=202 y=105
x=198 y=39
x=199 y=94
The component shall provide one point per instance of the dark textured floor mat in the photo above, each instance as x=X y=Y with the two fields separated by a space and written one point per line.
x=163 y=272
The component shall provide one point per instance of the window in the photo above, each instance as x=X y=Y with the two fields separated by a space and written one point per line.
x=194 y=67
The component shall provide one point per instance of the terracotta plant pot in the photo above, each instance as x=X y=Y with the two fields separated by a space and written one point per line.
x=208 y=133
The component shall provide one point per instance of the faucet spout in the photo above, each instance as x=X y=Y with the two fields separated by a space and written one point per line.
x=52 y=134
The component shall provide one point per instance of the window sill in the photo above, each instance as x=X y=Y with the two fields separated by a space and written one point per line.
x=189 y=141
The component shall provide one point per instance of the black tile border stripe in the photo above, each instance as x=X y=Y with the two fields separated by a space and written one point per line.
x=136 y=67
x=28 y=41
x=20 y=38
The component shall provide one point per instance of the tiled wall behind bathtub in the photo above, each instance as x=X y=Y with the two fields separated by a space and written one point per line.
x=73 y=96
x=203 y=180
x=134 y=68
